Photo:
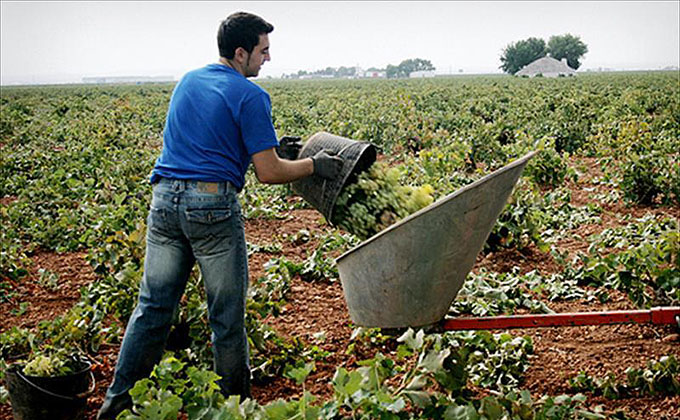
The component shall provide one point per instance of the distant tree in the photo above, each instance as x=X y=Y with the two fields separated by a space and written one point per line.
x=416 y=64
x=392 y=71
x=408 y=66
x=519 y=54
x=346 y=71
x=404 y=68
x=567 y=46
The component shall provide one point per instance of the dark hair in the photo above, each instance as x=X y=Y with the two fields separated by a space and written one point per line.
x=241 y=29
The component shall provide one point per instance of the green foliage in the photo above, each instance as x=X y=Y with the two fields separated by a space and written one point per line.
x=173 y=386
x=75 y=162
x=299 y=374
x=320 y=265
x=518 y=54
x=521 y=223
x=427 y=166
x=495 y=361
x=268 y=293
x=520 y=405
x=650 y=178
x=642 y=159
x=17 y=342
x=262 y=200
x=13 y=259
x=636 y=259
x=76 y=167
x=378 y=388
x=560 y=214
x=660 y=377
x=567 y=46
x=48 y=279
x=535 y=218
x=547 y=168
x=489 y=294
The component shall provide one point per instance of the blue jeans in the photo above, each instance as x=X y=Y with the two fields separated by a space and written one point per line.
x=190 y=221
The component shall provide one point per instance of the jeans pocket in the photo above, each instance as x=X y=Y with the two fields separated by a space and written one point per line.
x=210 y=229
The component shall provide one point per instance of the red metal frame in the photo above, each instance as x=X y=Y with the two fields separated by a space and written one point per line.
x=656 y=316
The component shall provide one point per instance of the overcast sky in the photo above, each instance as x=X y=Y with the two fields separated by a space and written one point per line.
x=54 y=42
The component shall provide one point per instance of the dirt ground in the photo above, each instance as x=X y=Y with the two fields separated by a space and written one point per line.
x=313 y=308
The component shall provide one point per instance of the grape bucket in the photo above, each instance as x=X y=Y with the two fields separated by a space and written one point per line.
x=408 y=274
x=321 y=193
x=54 y=397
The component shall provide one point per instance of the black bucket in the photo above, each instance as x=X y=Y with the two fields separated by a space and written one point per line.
x=53 y=398
x=322 y=193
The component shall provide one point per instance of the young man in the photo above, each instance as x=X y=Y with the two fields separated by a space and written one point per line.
x=217 y=122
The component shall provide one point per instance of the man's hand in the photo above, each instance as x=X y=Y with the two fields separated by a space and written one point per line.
x=327 y=165
x=289 y=147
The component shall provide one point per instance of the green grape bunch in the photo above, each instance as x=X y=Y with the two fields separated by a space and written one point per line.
x=377 y=200
x=52 y=363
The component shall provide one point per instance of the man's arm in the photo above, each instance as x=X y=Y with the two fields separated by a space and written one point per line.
x=270 y=169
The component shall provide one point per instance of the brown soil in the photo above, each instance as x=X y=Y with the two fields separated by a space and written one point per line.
x=33 y=300
x=317 y=313
x=7 y=200
x=528 y=259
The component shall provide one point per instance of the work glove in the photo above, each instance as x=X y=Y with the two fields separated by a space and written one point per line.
x=289 y=147
x=326 y=165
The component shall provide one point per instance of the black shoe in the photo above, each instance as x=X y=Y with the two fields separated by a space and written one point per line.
x=112 y=407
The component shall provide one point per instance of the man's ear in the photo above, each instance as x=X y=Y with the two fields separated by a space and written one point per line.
x=240 y=54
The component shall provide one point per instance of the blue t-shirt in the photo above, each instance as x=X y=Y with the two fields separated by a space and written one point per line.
x=217 y=119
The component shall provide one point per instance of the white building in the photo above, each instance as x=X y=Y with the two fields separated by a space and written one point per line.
x=421 y=74
x=547 y=67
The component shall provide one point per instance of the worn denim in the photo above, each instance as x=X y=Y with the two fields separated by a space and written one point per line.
x=189 y=223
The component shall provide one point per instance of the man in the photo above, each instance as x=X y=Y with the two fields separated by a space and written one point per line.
x=217 y=122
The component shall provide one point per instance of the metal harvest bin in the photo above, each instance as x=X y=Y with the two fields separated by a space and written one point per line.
x=408 y=274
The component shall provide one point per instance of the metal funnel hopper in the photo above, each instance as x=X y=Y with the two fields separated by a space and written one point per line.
x=408 y=274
